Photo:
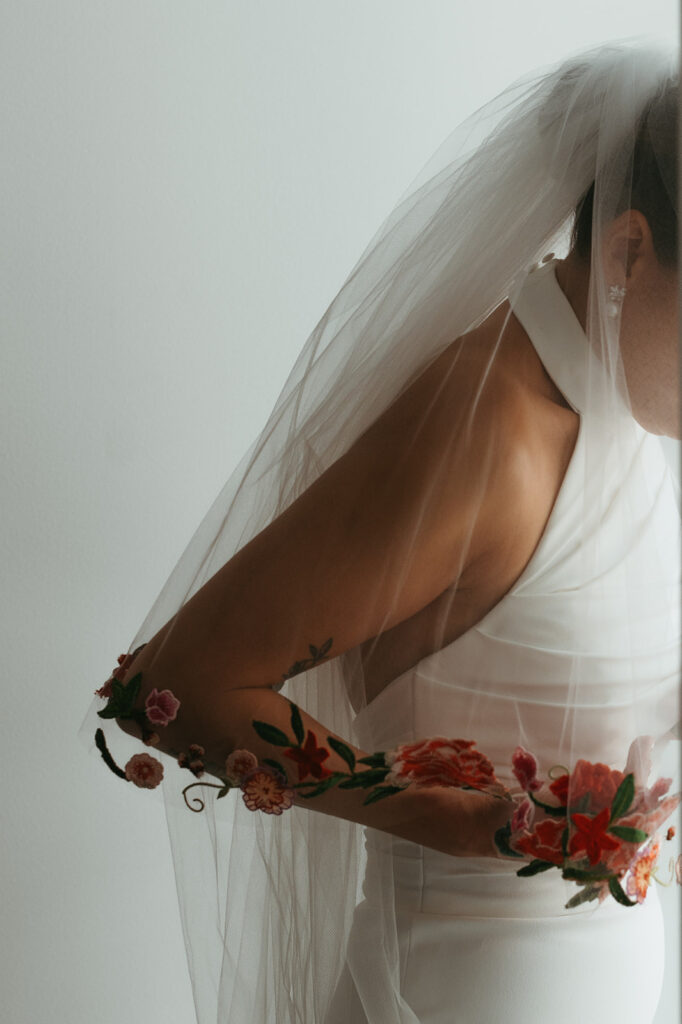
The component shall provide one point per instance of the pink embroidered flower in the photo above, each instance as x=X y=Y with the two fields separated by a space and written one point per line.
x=525 y=768
x=144 y=771
x=161 y=708
x=238 y=764
x=196 y=750
x=440 y=761
x=264 y=790
x=640 y=871
x=521 y=816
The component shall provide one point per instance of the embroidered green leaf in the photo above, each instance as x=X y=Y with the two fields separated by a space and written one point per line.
x=297 y=723
x=590 y=892
x=326 y=784
x=534 y=868
x=275 y=764
x=618 y=893
x=271 y=734
x=343 y=751
x=380 y=793
x=582 y=875
x=377 y=759
x=362 y=780
x=630 y=835
x=223 y=792
x=625 y=794
x=325 y=647
x=501 y=839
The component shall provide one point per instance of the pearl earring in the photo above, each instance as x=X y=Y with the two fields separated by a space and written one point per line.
x=616 y=296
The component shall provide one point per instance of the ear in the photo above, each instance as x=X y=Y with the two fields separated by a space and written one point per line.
x=627 y=248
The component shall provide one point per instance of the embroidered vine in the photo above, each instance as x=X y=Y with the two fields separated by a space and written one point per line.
x=612 y=816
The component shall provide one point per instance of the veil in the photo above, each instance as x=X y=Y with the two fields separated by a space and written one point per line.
x=285 y=911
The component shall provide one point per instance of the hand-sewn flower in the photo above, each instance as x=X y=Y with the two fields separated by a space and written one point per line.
x=264 y=790
x=161 y=708
x=440 y=761
x=598 y=781
x=544 y=842
x=592 y=836
x=145 y=771
x=525 y=768
x=640 y=871
x=238 y=764
x=309 y=758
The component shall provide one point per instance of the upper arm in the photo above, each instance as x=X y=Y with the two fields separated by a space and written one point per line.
x=367 y=545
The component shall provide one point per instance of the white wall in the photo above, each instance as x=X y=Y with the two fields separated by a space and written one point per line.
x=186 y=186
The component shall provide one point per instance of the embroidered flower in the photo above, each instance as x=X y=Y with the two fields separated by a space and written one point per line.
x=559 y=787
x=521 y=816
x=670 y=833
x=640 y=871
x=145 y=771
x=161 y=708
x=591 y=835
x=264 y=790
x=598 y=781
x=444 y=762
x=525 y=768
x=544 y=842
x=309 y=758
x=238 y=764
x=106 y=690
x=152 y=739
x=678 y=869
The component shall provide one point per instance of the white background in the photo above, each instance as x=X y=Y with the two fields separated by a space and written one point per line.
x=185 y=187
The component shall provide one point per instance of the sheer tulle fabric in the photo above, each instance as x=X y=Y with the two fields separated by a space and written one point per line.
x=303 y=917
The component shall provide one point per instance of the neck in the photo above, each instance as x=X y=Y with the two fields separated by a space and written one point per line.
x=573 y=277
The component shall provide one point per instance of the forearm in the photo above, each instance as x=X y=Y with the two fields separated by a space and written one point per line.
x=454 y=821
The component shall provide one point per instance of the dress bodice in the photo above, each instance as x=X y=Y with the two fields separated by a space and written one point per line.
x=508 y=679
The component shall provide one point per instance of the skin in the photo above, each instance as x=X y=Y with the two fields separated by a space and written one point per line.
x=649 y=324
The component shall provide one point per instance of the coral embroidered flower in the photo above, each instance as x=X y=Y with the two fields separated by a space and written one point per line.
x=670 y=833
x=444 y=762
x=264 y=790
x=145 y=771
x=640 y=871
x=525 y=768
x=544 y=842
x=592 y=836
x=161 y=708
x=239 y=764
x=597 y=780
x=309 y=758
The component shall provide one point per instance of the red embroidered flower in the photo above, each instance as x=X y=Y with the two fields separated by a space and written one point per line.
x=444 y=762
x=640 y=871
x=238 y=764
x=264 y=790
x=670 y=833
x=309 y=758
x=544 y=842
x=161 y=708
x=106 y=690
x=525 y=768
x=559 y=787
x=592 y=836
x=145 y=771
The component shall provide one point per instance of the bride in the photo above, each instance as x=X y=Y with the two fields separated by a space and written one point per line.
x=458 y=523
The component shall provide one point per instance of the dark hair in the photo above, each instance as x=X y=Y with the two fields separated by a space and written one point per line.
x=649 y=193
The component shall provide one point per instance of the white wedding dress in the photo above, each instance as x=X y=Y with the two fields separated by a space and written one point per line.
x=478 y=944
